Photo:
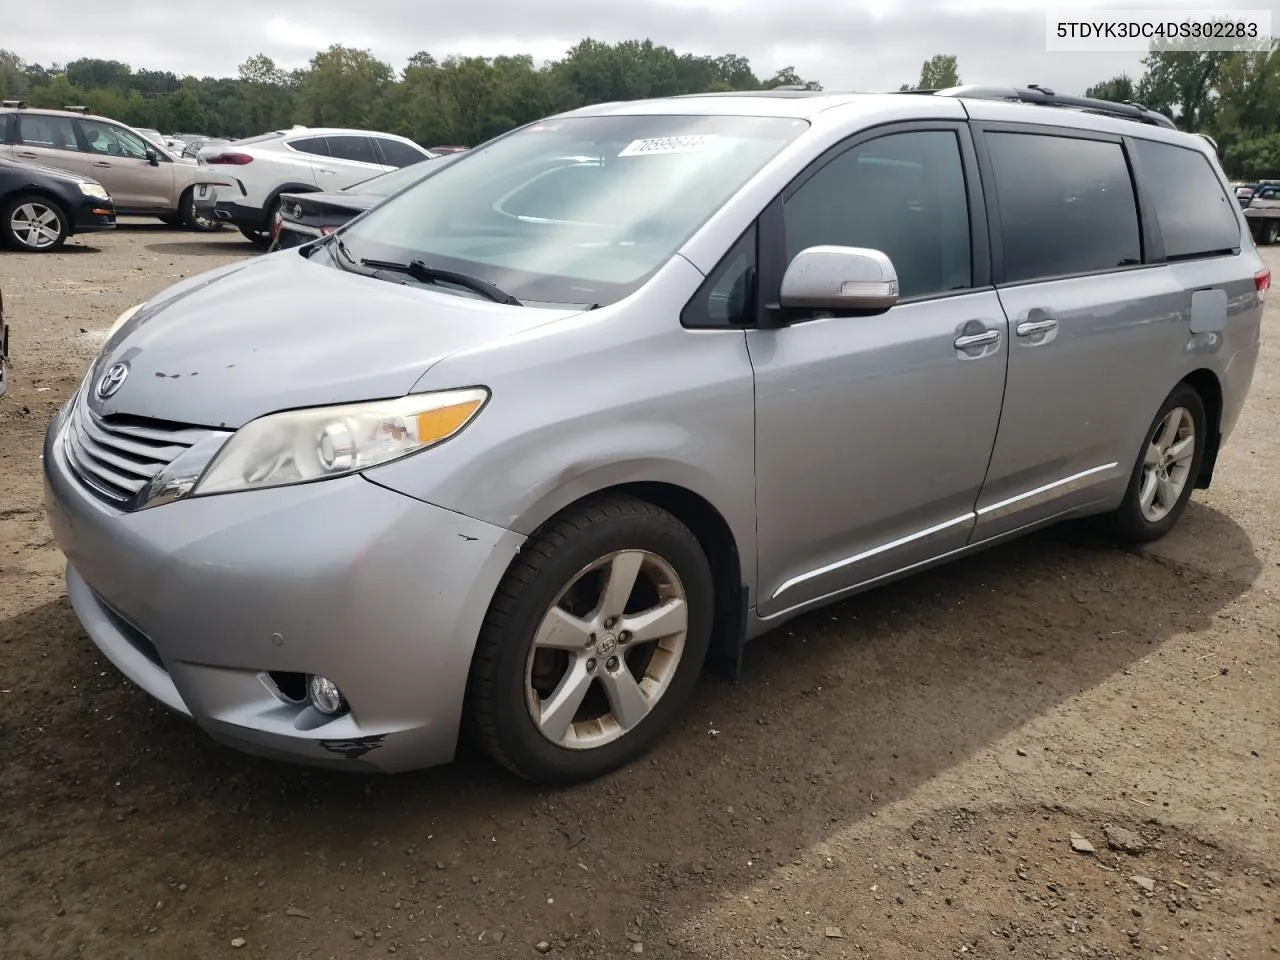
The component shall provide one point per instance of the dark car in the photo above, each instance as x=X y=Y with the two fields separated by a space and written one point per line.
x=304 y=216
x=41 y=206
x=4 y=347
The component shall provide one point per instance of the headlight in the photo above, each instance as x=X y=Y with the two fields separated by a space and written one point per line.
x=122 y=320
x=95 y=190
x=322 y=442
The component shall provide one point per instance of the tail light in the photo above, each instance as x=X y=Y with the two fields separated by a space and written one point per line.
x=236 y=159
x=1262 y=282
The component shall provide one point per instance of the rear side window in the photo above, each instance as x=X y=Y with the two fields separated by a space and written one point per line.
x=1066 y=205
x=313 y=145
x=397 y=154
x=52 y=133
x=1196 y=217
x=352 y=148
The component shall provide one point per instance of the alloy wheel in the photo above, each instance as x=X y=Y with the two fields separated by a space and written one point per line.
x=35 y=225
x=606 y=650
x=1166 y=468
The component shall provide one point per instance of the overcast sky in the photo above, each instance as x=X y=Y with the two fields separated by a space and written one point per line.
x=843 y=44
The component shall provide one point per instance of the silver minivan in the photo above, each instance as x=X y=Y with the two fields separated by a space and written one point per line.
x=517 y=451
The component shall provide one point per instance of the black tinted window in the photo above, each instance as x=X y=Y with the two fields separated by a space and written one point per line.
x=1066 y=205
x=727 y=297
x=397 y=154
x=1195 y=215
x=902 y=194
x=53 y=133
x=313 y=145
x=352 y=148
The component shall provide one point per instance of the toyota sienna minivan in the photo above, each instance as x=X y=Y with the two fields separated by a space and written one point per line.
x=517 y=450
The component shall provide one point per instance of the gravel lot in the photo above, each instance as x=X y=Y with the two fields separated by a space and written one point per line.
x=899 y=775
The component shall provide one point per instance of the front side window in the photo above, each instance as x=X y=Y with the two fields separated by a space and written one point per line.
x=51 y=133
x=1196 y=217
x=574 y=210
x=113 y=141
x=1066 y=204
x=902 y=194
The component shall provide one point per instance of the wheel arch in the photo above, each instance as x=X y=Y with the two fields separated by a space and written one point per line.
x=714 y=534
x=35 y=190
x=1206 y=383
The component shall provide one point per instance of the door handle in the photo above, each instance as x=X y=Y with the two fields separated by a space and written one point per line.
x=28 y=156
x=101 y=163
x=977 y=339
x=1029 y=328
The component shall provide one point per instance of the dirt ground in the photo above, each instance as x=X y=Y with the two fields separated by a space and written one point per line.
x=896 y=776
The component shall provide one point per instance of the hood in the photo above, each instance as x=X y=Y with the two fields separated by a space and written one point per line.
x=56 y=172
x=280 y=332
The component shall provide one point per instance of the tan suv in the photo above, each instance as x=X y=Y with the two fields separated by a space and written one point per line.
x=144 y=179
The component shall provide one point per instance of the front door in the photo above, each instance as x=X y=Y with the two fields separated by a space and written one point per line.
x=117 y=158
x=874 y=433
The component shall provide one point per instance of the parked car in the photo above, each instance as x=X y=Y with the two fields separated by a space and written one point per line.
x=144 y=178
x=4 y=349
x=1263 y=213
x=250 y=175
x=301 y=217
x=40 y=207
x=519 y=448
x=154 y=136
x=1244 y=192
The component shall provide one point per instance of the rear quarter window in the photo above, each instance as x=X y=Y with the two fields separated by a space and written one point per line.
x=1196 y=217
x=317 y=146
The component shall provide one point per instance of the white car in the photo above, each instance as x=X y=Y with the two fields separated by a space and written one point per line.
x=242 y=181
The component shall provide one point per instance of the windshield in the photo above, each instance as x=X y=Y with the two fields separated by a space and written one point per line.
x=385 y=184
x=574 y=210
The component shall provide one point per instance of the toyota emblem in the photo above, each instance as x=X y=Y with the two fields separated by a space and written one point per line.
x=112 y=380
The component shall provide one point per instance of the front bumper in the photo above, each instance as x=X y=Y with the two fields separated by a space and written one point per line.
x=92 y=214
x=200 y=600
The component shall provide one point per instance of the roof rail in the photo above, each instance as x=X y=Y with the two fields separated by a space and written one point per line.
x=14 y=104
x=1034 y=93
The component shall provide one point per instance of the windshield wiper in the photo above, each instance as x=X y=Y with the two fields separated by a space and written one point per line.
x=419 y=271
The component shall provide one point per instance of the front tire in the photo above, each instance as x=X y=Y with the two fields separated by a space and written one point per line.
x=593 y=642
x=1166 y=471
x=33 y=224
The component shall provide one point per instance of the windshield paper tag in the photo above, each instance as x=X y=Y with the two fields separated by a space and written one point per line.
x=688 y=144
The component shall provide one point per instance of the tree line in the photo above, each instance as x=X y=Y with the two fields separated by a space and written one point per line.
x=455 y=100
x=1234 y=97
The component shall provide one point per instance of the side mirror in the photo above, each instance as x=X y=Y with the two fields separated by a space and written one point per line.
x=153 y=158
x=844 y=279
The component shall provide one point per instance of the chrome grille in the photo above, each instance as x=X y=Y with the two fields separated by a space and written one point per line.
x=117 y=456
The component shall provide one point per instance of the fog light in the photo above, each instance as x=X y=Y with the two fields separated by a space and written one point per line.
x=325 y=695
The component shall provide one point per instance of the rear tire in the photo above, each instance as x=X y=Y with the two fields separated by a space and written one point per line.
x=1271 y=232
x=33 y=223
x=1166 y=469
x=191 y=219
x=571 y=679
